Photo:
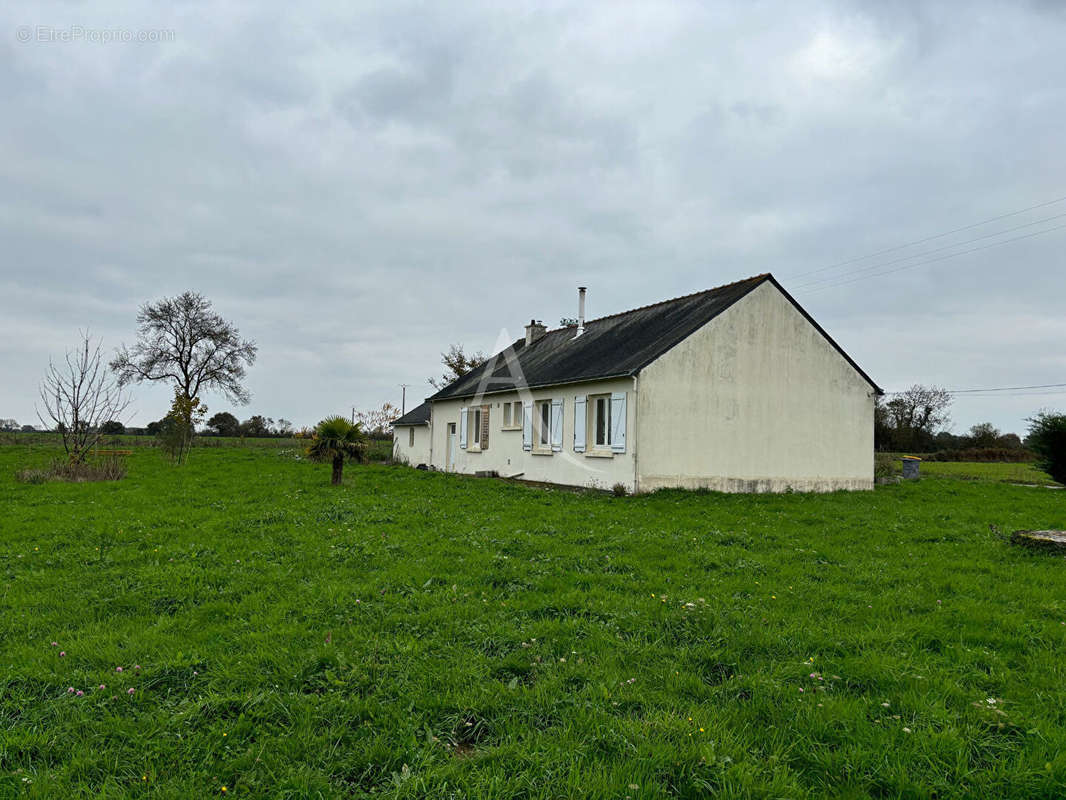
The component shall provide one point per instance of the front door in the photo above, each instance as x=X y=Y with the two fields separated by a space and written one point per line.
x=451 y=446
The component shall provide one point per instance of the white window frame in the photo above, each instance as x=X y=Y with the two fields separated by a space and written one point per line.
x=512 y=410
x=597 y=405
x=542 y=433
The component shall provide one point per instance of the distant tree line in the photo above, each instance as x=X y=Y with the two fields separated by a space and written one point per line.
x=916 y=420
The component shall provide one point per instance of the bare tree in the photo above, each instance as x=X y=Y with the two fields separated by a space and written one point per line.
x=378 y=422
x=182 y=341
x=78 y=397
x=456 y=365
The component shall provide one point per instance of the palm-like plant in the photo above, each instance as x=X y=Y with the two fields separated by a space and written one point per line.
x=336 y=439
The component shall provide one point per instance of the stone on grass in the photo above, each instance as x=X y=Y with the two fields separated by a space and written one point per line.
x=1042 y=540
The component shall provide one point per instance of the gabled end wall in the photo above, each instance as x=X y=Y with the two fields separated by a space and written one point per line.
x=756 y=400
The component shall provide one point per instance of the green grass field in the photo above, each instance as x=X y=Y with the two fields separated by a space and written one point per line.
x=1007 y=472
x=414 y=634
x=986 y=471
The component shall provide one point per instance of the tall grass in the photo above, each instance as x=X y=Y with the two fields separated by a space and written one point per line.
x=109 y=468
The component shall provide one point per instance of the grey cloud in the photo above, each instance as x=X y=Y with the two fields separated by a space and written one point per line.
x=364 y=186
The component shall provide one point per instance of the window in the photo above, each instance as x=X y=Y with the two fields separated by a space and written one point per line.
x=512 y=416
x=600 y=421
x=411 y=437
x=473 y=429
x=544 y=424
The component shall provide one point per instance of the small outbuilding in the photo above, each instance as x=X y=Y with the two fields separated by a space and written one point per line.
x=411 y=439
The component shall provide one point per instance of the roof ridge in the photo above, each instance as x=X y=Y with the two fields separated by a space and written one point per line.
x=760 y=276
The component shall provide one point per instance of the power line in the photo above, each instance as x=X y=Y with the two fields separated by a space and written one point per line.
x=933 y=260
x=831 y=278
x=1018 y=394
x=1011 y=388
x=930 y=238
x=985 y=392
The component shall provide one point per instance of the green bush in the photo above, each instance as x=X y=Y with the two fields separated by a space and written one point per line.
x=884 y=465
x=1047 y=438
x=983 y=454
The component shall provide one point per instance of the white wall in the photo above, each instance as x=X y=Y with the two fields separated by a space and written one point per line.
x=505 y=453
x=756 y=400
x=403 y=451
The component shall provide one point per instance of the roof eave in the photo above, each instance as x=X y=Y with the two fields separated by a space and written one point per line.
x=571 y=382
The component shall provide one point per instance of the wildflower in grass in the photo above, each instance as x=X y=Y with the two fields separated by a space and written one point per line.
x=70 y=690
x=55 y=644
x=801 y=688
x=906 y=730
x=79 y=693
x=118 y=669
x=885 y=705
x=62 y=653
x=136 y=666
x=102 y=686
x=131 y=690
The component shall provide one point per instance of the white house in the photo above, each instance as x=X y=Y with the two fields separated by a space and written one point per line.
x=734 y=389
x=411 y=438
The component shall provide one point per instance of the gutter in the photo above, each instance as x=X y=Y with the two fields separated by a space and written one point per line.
x=636 y=448
x=570 y=382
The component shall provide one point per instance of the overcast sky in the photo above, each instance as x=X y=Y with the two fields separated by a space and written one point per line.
x=356 y=188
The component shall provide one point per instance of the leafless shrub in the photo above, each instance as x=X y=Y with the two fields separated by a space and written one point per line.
x=32 y=475
x=79 y=396
x=112 y=468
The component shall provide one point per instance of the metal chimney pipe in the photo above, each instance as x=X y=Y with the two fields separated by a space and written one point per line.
x=580 y=310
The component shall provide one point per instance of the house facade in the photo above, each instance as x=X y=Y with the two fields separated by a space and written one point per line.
x=732 y=389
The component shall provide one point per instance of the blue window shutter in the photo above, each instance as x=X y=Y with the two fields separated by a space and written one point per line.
x=527 y=426
x=557 y=425
x=618 y=422
x=580 y=415
x=462 y=428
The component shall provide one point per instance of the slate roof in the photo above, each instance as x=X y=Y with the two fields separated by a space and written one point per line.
x=416 y=416
x=619 y=345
